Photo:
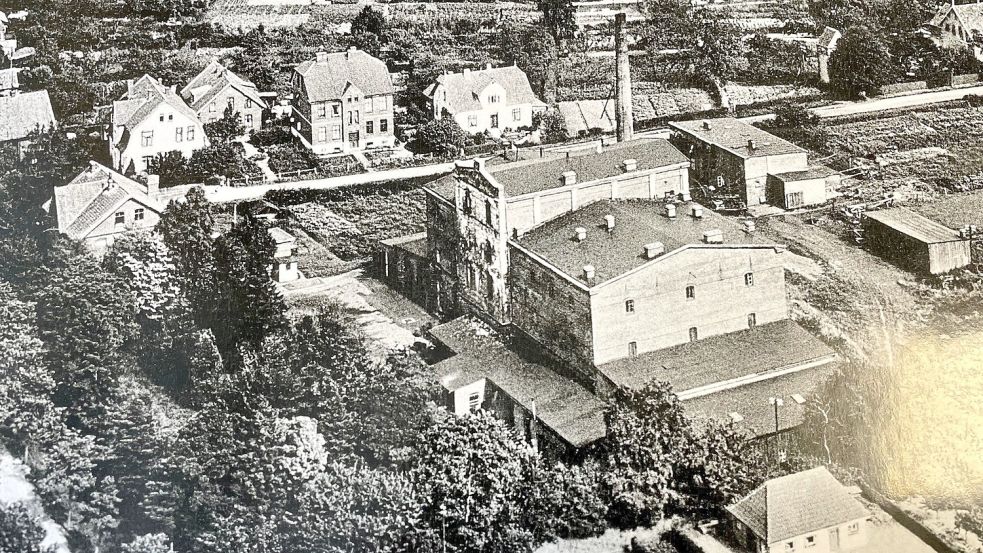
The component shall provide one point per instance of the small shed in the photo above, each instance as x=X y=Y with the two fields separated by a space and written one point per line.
x=796 y=189
x=914 y=242
x=285 y=268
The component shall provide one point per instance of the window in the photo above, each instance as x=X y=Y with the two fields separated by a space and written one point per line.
x=810 y=541
x=493 y=99
x=322 y=111
x=170 y=117
x=369 y=127
x=516 y=114
x=380 y=103
x=368 y=105
x=467 y=202
x=474 y=401
x=147 y=160
x=120 y=218
x=752 y=320
x=190 y=135
x=488 y=212
x=336 y=132
x=630 y=306
x=147 y=138
x=489 y=287
x=162 y=117
x=249 y=103
x=138 y=214
x=249 y=119
x=748 y=279
x=322 y=134
x=694 y=334
x=211 y=107
x=472 y=120
x=232 y=102
x=632 y=349
x=690 y=292
x=489 y=250
x=383 y=125
x=335 y=110
x=853 y=528
x=179 y=134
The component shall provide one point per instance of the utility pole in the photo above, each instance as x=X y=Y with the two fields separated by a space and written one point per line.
x=622 y=76
x=776 y=402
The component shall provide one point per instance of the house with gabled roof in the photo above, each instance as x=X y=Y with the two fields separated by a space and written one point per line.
x=493 y=99
x=216 y=88
x=100 y=204
x=343 y=101
x=149 y=120
x=23 y=114
x=805 y=512
x=959 y=23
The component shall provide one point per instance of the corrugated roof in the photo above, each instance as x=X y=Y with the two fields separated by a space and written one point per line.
x=327 y=80
x=212 y=80
x=720 y=358
x=526 y=177
x=22 y=114
x=797 y=504
x=914 y=225
x=637 y=223
x=572 y=412
x=733 y=135
x=464 y=89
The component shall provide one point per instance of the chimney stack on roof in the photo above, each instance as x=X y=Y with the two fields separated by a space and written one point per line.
x=706 y=125
x=568 y=178
x=321 y=57
x=349 y=52
x=749 y=226
x=467 y=71
x=630 y=165
x=609 y=222
x=671 y=211
x=655 y=249
x=589 y=274
x=581 y=234
x=751 y=145
x=488 y=66
x=715 y=236
x=697 y=211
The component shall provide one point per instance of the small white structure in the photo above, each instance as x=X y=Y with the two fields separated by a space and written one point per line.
x=825 y=49
x=285 y=269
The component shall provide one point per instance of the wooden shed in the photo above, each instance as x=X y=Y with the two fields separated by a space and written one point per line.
x=914 y=242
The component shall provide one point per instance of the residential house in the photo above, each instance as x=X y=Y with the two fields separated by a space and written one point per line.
x=805 y=512
x=100 y=204
x=825 y=47
x=739 y=159
x=150 y=120
x=216 y=88
x=285 y=268
x=343 y=101
x=959 y=24
x=474 y=212
x=492 y=100
x=23 y=114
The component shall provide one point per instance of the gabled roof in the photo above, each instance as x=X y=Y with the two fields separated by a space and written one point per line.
x=733 y=135
x=797 y=504
x=328 y=76
x=142 y=98
x=211 y=81
x=464 y=89
x=914 y=225
x=93 y=195
x=21 y=114
x=971 y=16
x=281 y=236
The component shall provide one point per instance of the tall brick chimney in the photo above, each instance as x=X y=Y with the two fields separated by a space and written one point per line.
x=623 y=110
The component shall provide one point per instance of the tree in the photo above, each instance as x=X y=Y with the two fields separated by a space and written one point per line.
x=861 y=63
x=794 y=116
x=148 y=543
x=226 y=129
x=20 y=530
x=559 y=19
x=248 y=305
x=841 y=14
x=171 y=167
x=971 y=520
x=35 y=78
x=369 y=30
x=186 y=227
x=442 y=136
x=709 y=43
x=219 y=160
x=552 y=126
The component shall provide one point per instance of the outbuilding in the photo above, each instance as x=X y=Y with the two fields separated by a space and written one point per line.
x=914 y=242
x=795 y=189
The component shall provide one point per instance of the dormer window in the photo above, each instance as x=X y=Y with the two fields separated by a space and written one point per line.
x=493 y=99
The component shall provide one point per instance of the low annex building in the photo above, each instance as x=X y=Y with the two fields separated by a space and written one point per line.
x=491 y=99
x=472 y=213
x=24 y=113
x=100 y=204
x=343 y=101
x=216 y=88
x=756 y=166
x=806 y=511
x=150 y=120
x=914 y=242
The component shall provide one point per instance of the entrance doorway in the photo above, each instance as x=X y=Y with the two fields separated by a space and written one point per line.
x=494 y=121
x=353 y=139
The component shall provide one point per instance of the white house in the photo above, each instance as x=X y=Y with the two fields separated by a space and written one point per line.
x=491 y=99
x=150 y=120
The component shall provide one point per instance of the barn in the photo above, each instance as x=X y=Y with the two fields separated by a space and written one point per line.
x=914 y=242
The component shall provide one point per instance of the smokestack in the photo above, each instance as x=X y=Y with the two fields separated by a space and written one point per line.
x=581 y=234
x=589 y=274
x=623 y=111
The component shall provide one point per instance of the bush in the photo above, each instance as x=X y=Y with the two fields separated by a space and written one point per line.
x=290 y=157
x=270 y=136
x=551 y=125
x=443 y=137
